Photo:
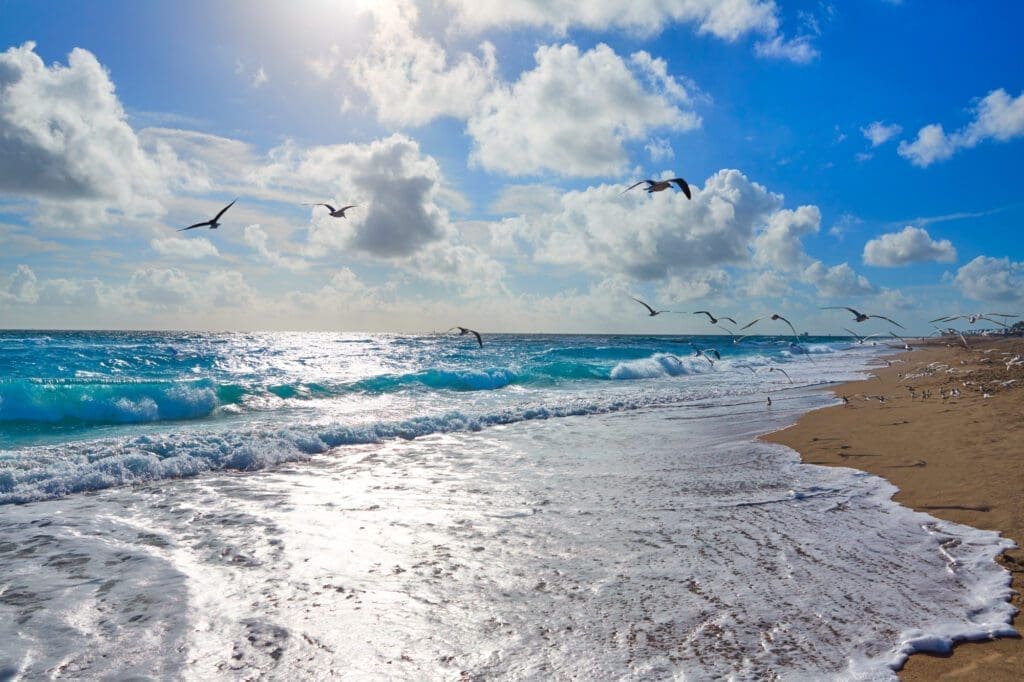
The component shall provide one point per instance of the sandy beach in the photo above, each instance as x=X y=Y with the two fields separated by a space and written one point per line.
x=959 y=458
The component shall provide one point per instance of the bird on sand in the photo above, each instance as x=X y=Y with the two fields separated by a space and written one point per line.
x=779 y=369
x=335 y=212
x=213 y=224
x=861 y=317
x=661 y=185
x=652 y=311
x=464 y=330
x=773 y=316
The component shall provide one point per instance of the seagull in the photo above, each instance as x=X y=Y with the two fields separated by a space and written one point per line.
x=714 y=320
x=860 y=339
x=212 y=223
x=861 y=317
x=661 y=185
x=335 y=212
x=906 y=346
x=704 y=353
x=774 y=316
x=652 y=310
x=463 y=331
x=971 y=319
x=777 y=369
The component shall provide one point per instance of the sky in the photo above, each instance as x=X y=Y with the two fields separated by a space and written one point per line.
x=839 y=154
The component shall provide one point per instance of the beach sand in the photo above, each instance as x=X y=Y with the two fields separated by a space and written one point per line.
x=960 y=459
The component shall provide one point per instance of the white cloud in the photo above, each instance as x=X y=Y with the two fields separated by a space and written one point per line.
x=723 y=19
x=836 y=281
x=766 y=284
x=256 y=239
x=695 y=285
x=660 y=149
x=574 y=111
x=894 y=299
x=667 y=234
x=259 y=77
x=190 y=249
x=878 y=133
x=21 y=286
x=797 y=50
x=996 y=117
x=991 y=279
x=778 y=245
x=174 y=289
x=912 y=245
x=67 y=144
x=409 y=78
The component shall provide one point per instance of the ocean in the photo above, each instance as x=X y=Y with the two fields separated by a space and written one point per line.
x=313 y=505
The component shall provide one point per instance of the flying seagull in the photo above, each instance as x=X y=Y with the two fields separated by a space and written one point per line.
x=971 y=319
x=861 y=317
x=661 y=185
x=777 y=369
x=335 y=212
x=703 y=353
x=860 y=339
x=906 y=346
x=652 y=311
x=464 y=330
x=212 y=223
x=774 y=316
x=714 y=320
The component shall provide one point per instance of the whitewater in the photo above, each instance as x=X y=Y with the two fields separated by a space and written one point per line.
x=300 y=505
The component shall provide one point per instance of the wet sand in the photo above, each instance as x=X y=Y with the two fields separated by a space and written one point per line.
x=956 y=458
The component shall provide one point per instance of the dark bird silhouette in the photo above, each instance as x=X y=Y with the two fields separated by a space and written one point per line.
x=651 y=310
x=773 y=316
x=714 y=320
x=661 y=185
x=861 y=317
x=335 y=212
x=464 y=330
x=214 y=224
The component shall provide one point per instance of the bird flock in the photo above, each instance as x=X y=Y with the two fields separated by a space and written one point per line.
x=652 y=186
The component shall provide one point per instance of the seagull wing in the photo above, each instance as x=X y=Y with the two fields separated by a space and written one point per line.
x=222 y=212
x=345 y=208
x=897 y=336
x=778 y=369
x=728 y=318
x=853 y=333
x=1002 y=315
x=478 y=339
x=192 y=227
x=704 y=312
x=993 y=321
x=644 y=305
x=789 y=323
x=718 y=356
x=882 y=317
x=751 y=324
x=947 y=318
x=683 y=186
x=731 y=333
x=650 y=182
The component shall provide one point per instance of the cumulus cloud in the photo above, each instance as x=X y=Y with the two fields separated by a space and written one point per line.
x=256 y=239
x=697 y=284
x=397 y=188
x=175 y=289
x=912 y=245
x=991 y=279
x=66 y=139
x=778 y=245
x=25 y=288
x=667 y=235
x=836 y=281
x=878 y=133
x=409 y=78
x=725 y=20
x=996 y=117
x=21 y=286
x=574 y=111
x=190 y=249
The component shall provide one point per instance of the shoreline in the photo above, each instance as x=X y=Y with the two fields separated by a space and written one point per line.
x=959 y=459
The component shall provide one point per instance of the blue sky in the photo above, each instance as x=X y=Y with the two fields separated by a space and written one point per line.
x=863 y=155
